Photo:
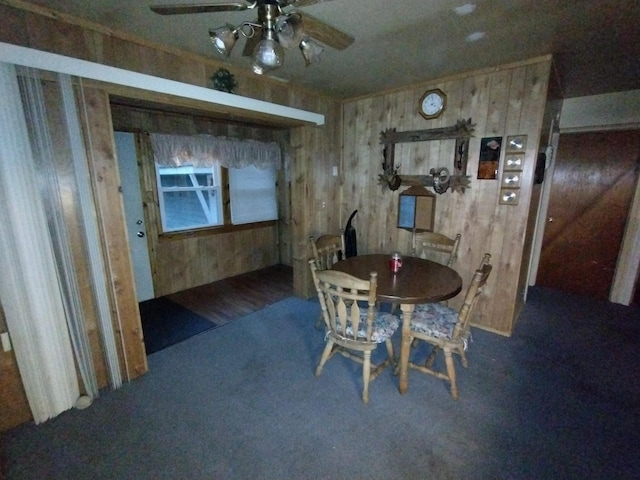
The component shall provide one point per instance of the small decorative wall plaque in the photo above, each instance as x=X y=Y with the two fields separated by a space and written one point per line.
x=512 y=169
x=489 y=158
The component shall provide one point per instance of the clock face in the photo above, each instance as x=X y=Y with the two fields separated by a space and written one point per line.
x=432 y=104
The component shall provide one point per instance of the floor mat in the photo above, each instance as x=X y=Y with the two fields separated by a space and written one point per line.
x=165 y=323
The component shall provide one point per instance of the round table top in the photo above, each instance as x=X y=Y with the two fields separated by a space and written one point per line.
x=418 y=281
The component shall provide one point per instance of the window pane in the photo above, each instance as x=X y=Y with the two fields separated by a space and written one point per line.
x=191 y=209
x=189 y=197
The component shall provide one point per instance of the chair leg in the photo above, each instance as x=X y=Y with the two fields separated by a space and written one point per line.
x=366 y=375
x=432 y=356
x=390 y=353
x=451 y=372
x=463 y=357
x=325 y=356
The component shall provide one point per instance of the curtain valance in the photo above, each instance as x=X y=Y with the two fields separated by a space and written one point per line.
x=205 y=150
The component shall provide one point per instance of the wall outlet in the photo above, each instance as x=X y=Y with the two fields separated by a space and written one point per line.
x=6 y=341
x=334 y=171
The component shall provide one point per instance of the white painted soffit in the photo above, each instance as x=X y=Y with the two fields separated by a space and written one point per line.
x=29 y=57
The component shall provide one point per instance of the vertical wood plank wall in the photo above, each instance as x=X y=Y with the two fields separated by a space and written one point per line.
x=500 y=102
x=503 y=101
x=179 y=262
x=40 y=28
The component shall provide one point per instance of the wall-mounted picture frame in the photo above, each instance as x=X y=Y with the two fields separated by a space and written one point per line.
x=511 y=179
x=513 y=162
x=489 y=159
x=509 y=196
x=516 y=143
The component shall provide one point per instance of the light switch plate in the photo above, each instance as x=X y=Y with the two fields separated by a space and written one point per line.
x=6 y=341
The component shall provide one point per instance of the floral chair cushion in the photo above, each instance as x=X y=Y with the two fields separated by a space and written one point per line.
x=384 y=326
x=434 y=319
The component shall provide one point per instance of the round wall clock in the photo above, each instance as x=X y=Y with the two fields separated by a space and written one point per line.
x=432 y=103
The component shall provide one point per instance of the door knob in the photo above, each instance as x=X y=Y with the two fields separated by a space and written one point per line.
x=550 y=219
x=141 y=234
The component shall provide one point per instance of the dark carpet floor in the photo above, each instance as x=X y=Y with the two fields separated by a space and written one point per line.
x=557 y=400
x=165 y=323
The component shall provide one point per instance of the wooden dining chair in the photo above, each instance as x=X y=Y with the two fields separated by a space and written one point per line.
x=355 y=327
x=327 y=249
x=436 y=246
x=448 y=330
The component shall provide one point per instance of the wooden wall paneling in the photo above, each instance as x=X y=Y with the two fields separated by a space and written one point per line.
x=450 y=220
x=378 y=200
x=347 y=204
x=14 y=26
x=488 y=311
x=183 y=262
x=285 y=244
x=51 y=35
x=398 y=113
x=493 y=99
x=106 y=186
x=302 y=198
x=13 y=400
x=540 y=75
x=361 y=195
x=37 y=27
x=449 y=204
x=529 y=120
x=475 y=102
x=491 y=122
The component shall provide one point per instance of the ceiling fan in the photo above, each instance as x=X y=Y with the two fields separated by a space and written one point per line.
x=277 y=27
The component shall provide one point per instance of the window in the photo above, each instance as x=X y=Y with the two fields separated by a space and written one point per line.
x=189 y=197
x=204 y=181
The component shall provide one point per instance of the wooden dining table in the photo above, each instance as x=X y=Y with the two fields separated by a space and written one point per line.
x=418 y=281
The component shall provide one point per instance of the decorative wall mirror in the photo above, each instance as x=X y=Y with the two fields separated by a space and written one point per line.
x=440 y=179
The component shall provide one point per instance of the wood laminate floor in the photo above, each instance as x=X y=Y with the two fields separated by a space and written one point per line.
x=228 y=299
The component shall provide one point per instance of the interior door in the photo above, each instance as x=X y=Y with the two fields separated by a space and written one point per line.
x=592 y=188
x=132 y=198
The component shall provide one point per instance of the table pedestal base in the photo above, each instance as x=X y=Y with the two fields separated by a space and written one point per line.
x=405 y=346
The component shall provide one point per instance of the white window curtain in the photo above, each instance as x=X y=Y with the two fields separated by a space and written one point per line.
x=31 y=293
x=204 y=150
x=38 y=288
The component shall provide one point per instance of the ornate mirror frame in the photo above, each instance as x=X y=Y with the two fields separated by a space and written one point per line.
x=439 y=179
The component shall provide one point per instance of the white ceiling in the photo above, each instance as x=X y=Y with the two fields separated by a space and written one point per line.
x=596 y=43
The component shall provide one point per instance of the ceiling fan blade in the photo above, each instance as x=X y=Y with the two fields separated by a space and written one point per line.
x=325 y=33
x=198 y=8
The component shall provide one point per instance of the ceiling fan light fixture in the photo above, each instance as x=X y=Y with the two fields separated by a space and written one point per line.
x=310 y=50
x=290 y=30
x=268 y=54
x=224 y=39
